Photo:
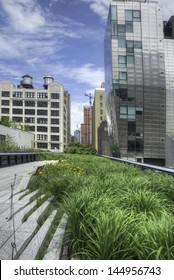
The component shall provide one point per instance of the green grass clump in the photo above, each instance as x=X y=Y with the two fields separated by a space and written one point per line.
x=115 y=210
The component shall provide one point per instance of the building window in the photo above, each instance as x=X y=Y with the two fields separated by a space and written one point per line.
x=29 y=112
x=54 y=104
x=139 y=110
x=132 y=15
x=54 y=113
x=114 y=12
x=114 y=28
x=5 y=110
x=42 y=145
x=136 y=15
x=131 y=112
x=5 y=94
x=54 y=129
x=29 y=120
x=122 y=77
x=135 y=145
x=122 y=92
x=42 y=128
x=137 y=44
x=18 y=94
x=5 y=102
x=54 y=146
x=42 y=95
x=122 y=61
x=42 y=112
x=31 y=128
x=129 y=27
x=130 y=46
x=121 y=30
x=18 y=111
x=54 y=95
x=42 y=120
x=29 y=103
x=130 y=59
x=54 y=121
x=131 y=128
x=128 y=15
x=42 y=137
x=17 y=119
x=123 y=110
x=30 y=94
x=42 y=104
x=121 y=42
x=17 y=102
x=54 y=137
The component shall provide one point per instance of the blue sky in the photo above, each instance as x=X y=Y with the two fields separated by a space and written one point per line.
x=61 y=38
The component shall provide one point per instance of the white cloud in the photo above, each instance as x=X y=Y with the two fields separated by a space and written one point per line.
x=23 y=15
x=99 y=7
x=88 y=74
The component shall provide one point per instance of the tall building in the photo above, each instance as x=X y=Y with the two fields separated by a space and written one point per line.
x=86 y=127
x=77 y=136
x=45 y=112
x=135 y=79
x=98 y=113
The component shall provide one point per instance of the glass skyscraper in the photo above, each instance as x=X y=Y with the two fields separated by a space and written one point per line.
x=135 y=79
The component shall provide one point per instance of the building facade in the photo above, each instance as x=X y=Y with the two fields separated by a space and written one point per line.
x=135 y=80
x=98 y=113
x=86 y=127
x=45 y=112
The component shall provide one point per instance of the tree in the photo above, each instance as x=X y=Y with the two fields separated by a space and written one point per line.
x=8 y=144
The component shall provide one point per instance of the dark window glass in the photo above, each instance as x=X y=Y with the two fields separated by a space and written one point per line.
x=131 y=145
x=54 y=146
x=130 y=46
x=137 y=44
x=122 y=43
x=17 y=102
x=17 y=119
x=139 y=145
x=18 y=111
x=5 y=93
x=54 y=121
x=114 y=28
x=129 y=27
x=136 y=15
x=128 y=15
x=54 y=95
x=54 y=104
x=121 y=29
x=123 y=93
x=122 y=61
x=5 y=102
x=54 y=129
x=54 y=138
x=29 y=120
x=29 y=112
x=42 y=120
x=54 y=113
x=31 y=128
x=42 y=112
x=18 y=94
x=29 y=103
x=42 y=128
x=5 y=110
x=42 y=145
x=42 y=104
x=131 y=128
x=42 y=95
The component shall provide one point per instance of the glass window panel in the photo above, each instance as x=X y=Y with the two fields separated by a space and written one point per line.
x=122 y=75
x=136 y=15
x=131 y=110
x=129 y=27
x=123 y=110
x=137 y=44
x=121 y=43
x=122 y=60
x=114 y=28
x=128 y=15
x=113 y=12
x=121 y=29
x=130 y=59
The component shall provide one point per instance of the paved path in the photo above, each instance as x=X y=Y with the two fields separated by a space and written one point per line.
x=7 y=174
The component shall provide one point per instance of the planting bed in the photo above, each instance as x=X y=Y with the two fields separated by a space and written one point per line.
x=114 y=210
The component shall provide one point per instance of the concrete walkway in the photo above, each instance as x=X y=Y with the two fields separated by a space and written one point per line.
x=18 y=239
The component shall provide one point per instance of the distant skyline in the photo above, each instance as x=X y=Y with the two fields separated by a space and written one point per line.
x=61 y=38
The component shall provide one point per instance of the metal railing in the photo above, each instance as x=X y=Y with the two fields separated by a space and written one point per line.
x=167 y=170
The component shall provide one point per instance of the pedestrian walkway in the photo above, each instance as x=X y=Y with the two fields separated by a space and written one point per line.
x=18 y=239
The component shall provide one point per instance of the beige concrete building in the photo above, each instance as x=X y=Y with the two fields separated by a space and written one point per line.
x=98 y=113
x=45 y=112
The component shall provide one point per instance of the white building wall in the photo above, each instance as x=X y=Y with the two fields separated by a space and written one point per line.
x=24 y=140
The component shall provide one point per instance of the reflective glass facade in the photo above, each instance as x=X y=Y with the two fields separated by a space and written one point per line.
x=135 y=79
